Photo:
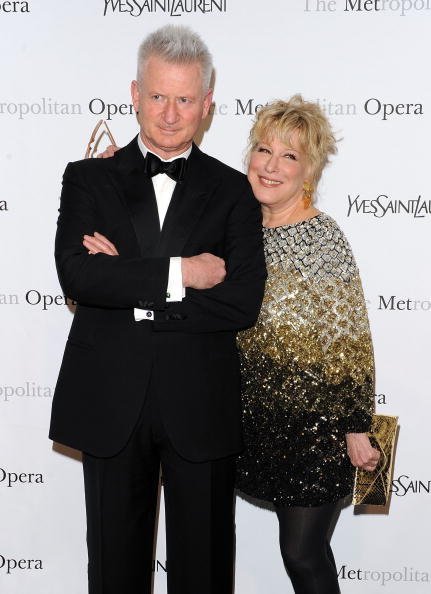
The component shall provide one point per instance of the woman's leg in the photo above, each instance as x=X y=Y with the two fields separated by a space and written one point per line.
x=305 y=548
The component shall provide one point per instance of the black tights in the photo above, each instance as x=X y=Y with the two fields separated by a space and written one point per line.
x=305 y=548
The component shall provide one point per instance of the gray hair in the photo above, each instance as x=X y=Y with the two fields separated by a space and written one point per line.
x=179 y=45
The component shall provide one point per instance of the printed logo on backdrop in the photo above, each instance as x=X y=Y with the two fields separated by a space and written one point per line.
x=384 y=110
x=9 y=299
x=13 y=479
x=381 y=398
x=105 y=109
x=173 y=8
x=159 y=567
x=405 y=485
x=45 y=106
x=249 y=106
x=370 y=107
x=385 y=205
x=400 y=7
x=25 y=391
x=384 y=577
x=36 y=298
x=99 y=107
x=240 y=106
x=396 y=303
x=11 y=565
x=10 y=6
x=3 y=206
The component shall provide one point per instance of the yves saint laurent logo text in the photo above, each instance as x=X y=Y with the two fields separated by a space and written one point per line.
x=173 y=8
x=404 y=485
x=382 y=205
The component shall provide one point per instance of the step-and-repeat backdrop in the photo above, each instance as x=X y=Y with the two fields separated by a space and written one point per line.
x=65 y=65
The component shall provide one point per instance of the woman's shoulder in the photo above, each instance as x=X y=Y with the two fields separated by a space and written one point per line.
x=331 y=252
x=330 y=225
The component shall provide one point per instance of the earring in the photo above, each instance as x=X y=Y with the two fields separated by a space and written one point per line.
x=308 y=194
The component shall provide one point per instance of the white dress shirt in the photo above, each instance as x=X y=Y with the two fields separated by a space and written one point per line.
x=164 y=188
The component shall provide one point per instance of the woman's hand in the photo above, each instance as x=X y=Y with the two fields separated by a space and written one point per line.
x=361 y=452
x=99 y=244
x=108 y=152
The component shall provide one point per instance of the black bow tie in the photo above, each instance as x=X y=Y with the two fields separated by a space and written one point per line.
x=174 y=169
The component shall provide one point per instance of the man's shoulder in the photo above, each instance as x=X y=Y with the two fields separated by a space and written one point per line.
x=212 y=164
x=88 y=167
x=99 y=166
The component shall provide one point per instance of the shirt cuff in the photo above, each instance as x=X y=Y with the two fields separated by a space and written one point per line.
x=143 y=314
x=175 y=290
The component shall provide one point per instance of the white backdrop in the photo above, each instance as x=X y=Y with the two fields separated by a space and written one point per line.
x=366 y=62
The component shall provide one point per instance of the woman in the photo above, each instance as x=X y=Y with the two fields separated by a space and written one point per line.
x=307 y=364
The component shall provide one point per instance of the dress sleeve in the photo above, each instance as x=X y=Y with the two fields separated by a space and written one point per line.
x=344 y=332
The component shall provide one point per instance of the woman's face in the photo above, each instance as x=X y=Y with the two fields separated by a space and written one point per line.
x=277 y=172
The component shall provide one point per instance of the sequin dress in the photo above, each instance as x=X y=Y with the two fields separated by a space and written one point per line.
x=307 y=369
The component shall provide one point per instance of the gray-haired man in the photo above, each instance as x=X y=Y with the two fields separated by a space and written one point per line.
x=150 y=373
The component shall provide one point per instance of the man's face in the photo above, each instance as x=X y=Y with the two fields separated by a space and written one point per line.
x=171 y=105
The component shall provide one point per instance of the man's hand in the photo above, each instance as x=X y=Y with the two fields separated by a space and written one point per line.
x=199 y=272
x=361 y=452
x=108 y=152
x=99 y=244
x=203 y=271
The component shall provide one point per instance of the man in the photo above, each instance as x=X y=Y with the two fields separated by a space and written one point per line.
x=150 y=372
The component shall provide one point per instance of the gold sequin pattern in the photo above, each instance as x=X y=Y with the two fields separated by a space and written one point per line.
x=307 y=368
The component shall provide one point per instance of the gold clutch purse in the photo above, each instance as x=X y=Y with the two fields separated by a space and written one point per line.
x=372 y=488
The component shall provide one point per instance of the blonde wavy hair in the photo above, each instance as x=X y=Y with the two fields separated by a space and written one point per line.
x=279 y=119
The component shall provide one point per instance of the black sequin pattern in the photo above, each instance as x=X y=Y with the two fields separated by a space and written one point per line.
x=307 y=369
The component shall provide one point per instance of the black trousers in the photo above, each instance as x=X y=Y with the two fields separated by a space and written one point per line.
x=121 y=501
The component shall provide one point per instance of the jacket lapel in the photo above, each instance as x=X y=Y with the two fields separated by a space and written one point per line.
x=187 y=205
x=136 y=191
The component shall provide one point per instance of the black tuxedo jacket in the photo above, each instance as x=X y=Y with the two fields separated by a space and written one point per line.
x=189 y=349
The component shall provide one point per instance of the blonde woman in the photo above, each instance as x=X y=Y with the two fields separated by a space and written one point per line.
x=307 y=364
